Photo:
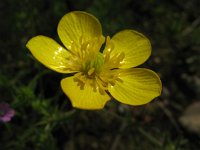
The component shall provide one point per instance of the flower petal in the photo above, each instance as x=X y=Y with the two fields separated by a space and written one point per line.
x=137 y=86
x=83 y=98
x=137 y=47
x=76 y=26
x=49 y=53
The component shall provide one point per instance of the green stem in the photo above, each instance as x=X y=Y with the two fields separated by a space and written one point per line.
x=150 y=137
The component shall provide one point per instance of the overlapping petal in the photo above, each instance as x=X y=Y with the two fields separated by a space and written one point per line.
x=83 y=98
x=138 y=86
x=136 y=47
x=49 y=53
x=76 y=26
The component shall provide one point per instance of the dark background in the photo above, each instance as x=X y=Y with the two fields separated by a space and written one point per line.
x=44 y=117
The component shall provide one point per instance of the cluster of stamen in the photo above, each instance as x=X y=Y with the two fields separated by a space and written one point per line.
x=94 y=68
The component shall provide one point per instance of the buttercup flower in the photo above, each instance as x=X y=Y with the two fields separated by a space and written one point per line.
x=95 y=74
x=6 y=113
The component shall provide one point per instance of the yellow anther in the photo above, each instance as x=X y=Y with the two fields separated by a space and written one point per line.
x=91 y=71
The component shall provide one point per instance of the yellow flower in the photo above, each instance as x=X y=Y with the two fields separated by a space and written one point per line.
x=96 y=73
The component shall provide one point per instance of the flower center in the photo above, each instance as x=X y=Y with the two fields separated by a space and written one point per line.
x=96 y=69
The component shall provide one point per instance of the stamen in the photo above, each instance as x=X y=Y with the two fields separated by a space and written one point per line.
x=95 y=69
x=91 y=71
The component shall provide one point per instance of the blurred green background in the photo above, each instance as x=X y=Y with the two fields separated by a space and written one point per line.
x=44 y=117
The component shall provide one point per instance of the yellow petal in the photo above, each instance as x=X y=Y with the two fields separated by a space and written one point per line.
x=83 y=98
x=49 y=53
x=76 y=26
x=135 y=46
x=138 y=86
